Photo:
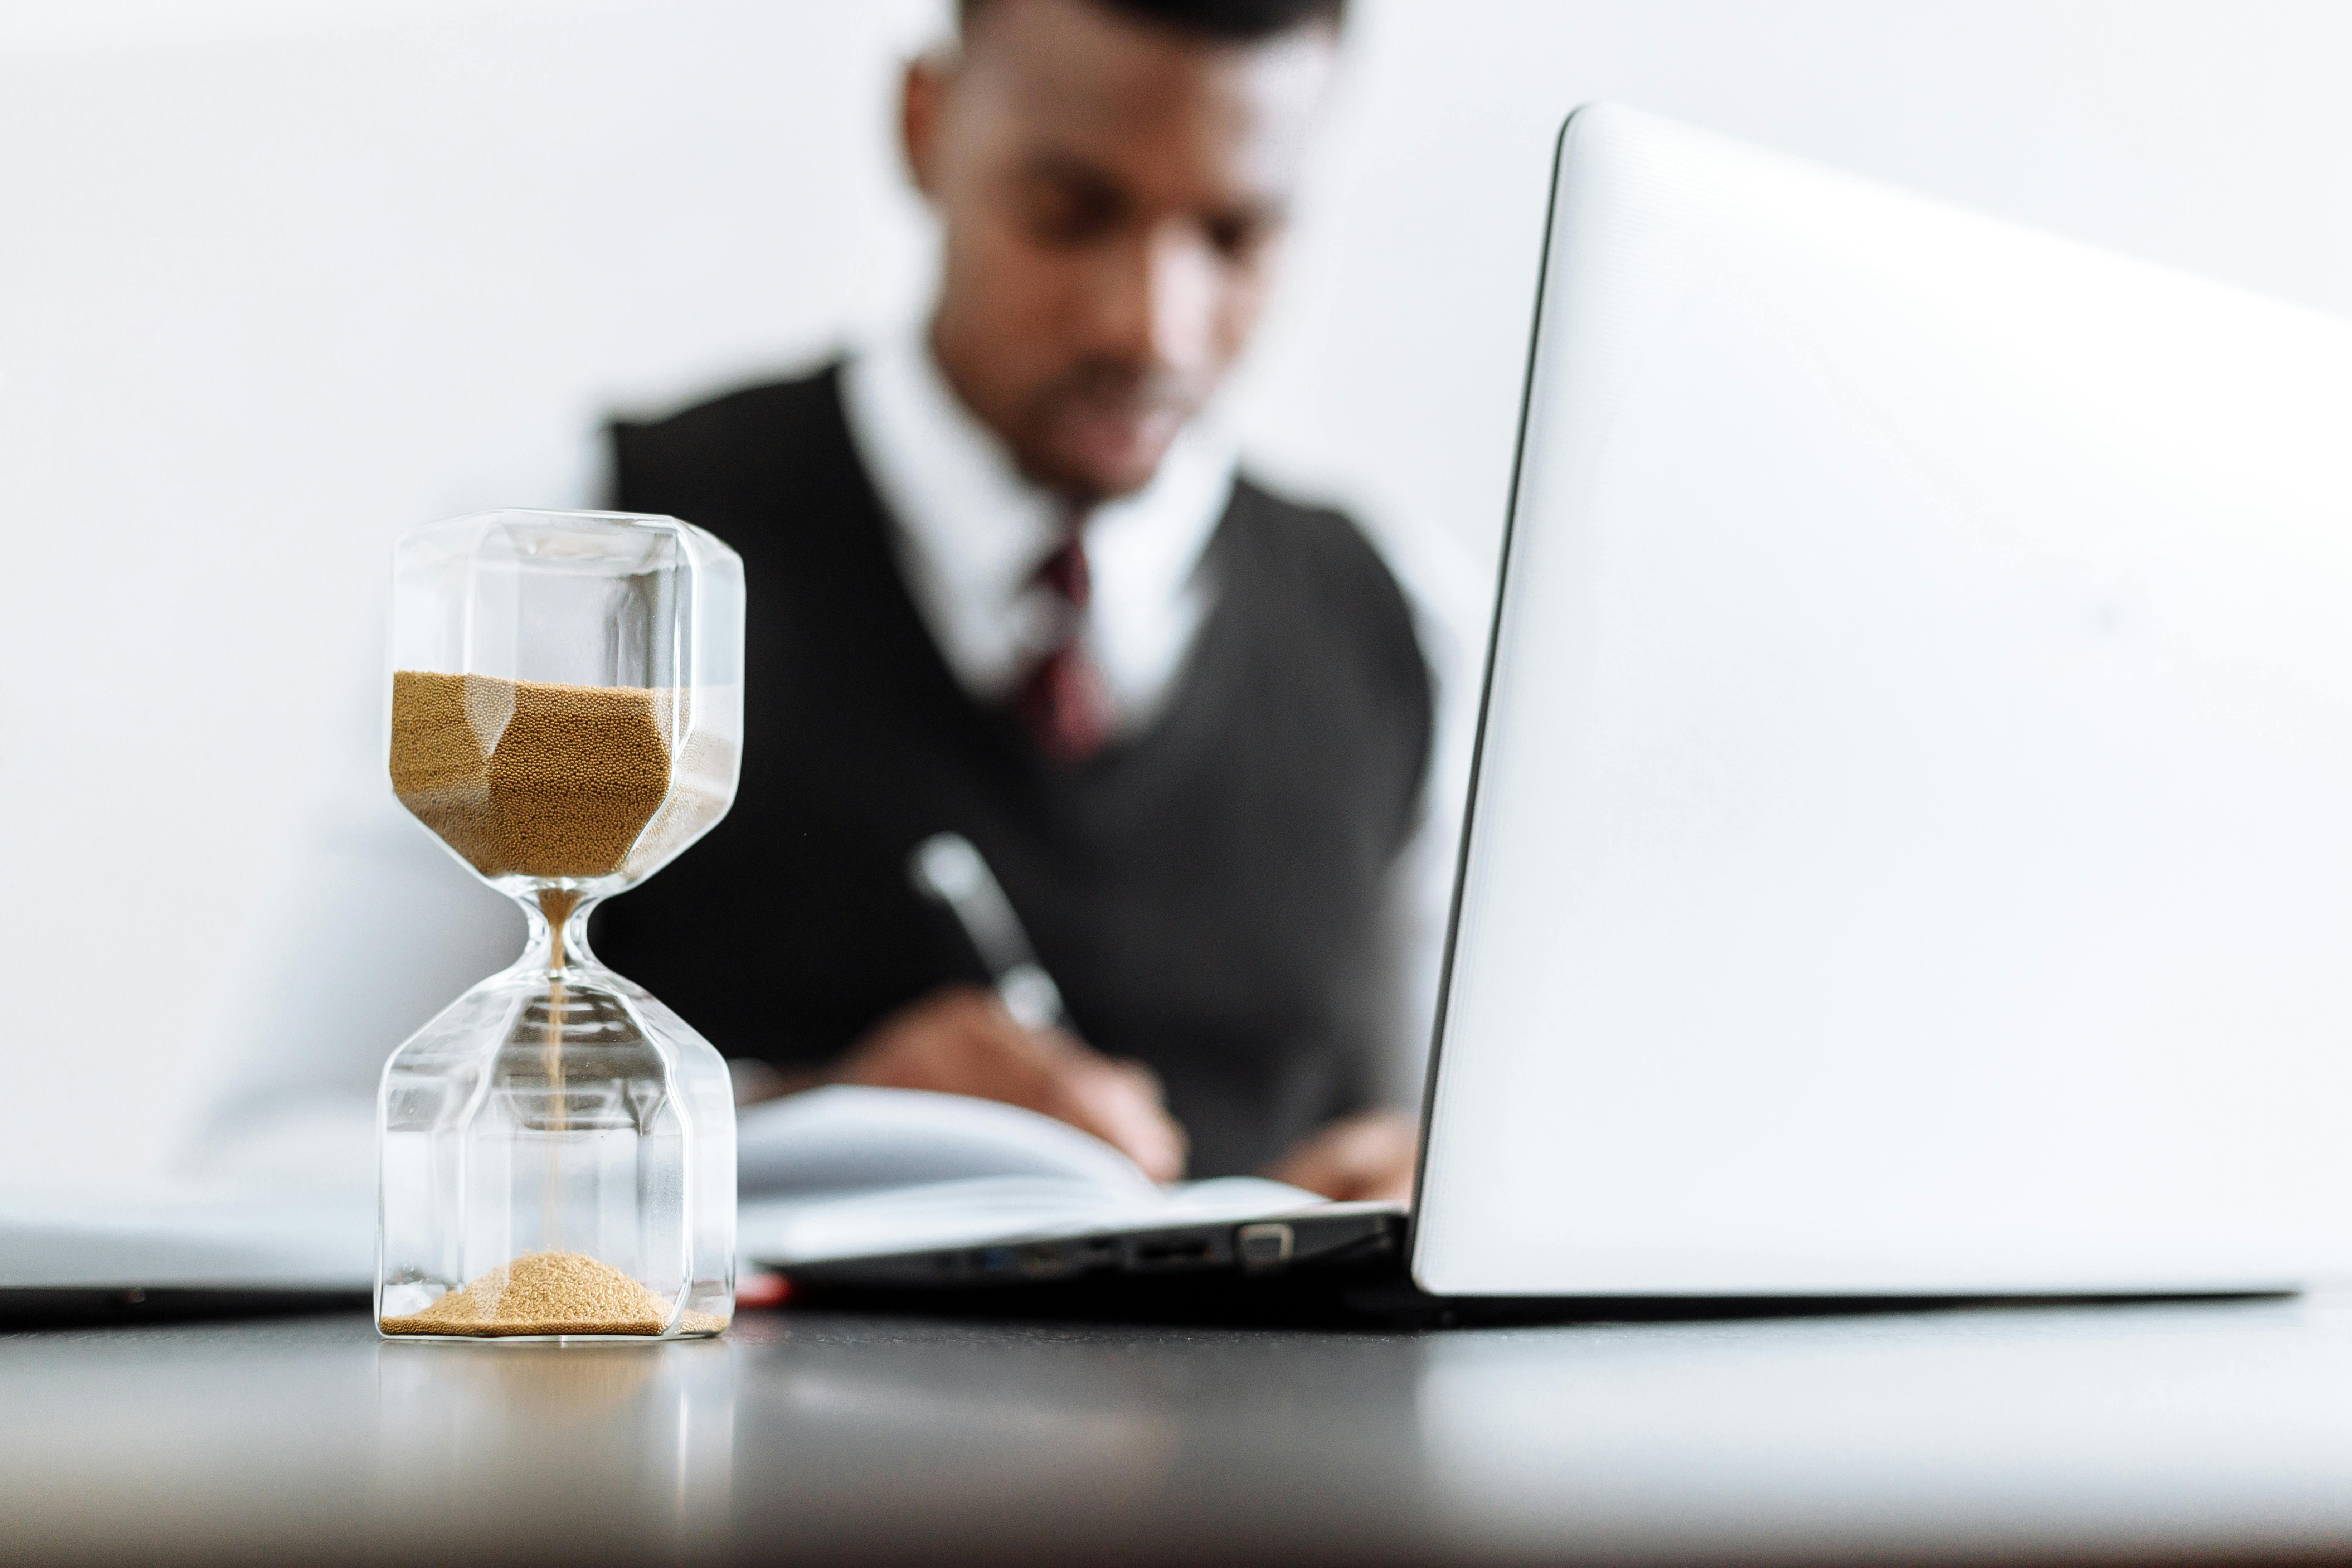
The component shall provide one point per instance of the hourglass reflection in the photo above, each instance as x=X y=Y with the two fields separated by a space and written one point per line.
x=558 y=1148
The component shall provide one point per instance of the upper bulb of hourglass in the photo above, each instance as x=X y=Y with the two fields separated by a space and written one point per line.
x=556 y=789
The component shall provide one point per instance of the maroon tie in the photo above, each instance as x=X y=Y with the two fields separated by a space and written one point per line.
x=1062 y=699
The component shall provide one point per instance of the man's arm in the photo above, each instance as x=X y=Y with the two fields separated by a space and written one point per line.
x=960 y=1040
x=1371 y=1154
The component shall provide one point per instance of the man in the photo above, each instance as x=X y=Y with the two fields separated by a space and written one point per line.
x=1004 y=581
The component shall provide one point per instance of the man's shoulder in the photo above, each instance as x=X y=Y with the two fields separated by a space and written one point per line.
x=1333 y=623
x=737 y=438
x=1317 y=544
x=758 y=404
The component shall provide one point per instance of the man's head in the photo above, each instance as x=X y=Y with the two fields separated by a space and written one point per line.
x=1113 y=177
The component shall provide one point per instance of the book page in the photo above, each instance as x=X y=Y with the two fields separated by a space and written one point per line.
x=847 y=1138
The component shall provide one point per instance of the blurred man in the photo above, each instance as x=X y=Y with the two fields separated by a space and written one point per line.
x=1005 y=582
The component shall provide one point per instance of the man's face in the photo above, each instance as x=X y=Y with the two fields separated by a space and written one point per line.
x=1113 y=195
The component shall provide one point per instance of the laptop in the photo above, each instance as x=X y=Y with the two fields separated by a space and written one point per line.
x=179 y=1249
x=1909 y=853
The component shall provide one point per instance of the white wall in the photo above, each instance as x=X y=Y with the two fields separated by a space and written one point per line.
x=278 y=280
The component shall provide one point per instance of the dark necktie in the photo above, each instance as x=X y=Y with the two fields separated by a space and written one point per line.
x=1062 y=700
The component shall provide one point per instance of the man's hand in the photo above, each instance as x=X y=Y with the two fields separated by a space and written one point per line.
x=1370 y=1156
x=960 y=1040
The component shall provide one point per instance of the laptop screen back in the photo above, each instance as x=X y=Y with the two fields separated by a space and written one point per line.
x=1911 y=848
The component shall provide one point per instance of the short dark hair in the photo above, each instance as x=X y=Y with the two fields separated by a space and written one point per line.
x=1226 y=21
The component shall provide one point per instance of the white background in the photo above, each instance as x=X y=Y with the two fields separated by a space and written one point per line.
x=280 y=279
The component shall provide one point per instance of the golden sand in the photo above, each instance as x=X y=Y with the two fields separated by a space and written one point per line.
x=549 y=1293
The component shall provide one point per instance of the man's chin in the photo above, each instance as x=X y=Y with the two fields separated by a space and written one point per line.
x=1102 y=457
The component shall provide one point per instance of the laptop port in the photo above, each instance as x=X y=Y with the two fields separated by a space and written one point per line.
x=1046 y=1260
x=1265 y=1245
x=1181 y=1250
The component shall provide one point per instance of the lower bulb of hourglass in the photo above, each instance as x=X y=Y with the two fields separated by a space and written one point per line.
x=558 y=1161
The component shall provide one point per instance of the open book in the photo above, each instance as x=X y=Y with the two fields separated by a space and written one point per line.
x=831 y=1173
x=848 y=1172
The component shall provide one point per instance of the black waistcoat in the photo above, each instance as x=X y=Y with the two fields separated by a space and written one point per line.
x=1206 y=892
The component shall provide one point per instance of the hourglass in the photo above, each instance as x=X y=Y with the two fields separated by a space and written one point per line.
x=558 y=1148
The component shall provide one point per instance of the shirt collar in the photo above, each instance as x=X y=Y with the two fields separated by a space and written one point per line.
x=972 y=531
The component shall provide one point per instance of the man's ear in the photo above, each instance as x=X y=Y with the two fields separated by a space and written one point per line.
x=922 y=105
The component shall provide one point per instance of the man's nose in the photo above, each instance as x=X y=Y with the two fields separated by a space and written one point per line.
x=1158 y=304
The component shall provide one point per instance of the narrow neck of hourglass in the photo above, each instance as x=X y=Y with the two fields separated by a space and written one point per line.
x=556 y=938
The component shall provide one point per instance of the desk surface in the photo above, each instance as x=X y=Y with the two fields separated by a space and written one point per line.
x=2161 y=1430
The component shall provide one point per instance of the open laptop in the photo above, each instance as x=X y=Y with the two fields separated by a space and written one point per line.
x=177 y=1249
x=1910 y=848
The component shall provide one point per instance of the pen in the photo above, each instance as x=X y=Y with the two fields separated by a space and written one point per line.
x=947 y=868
